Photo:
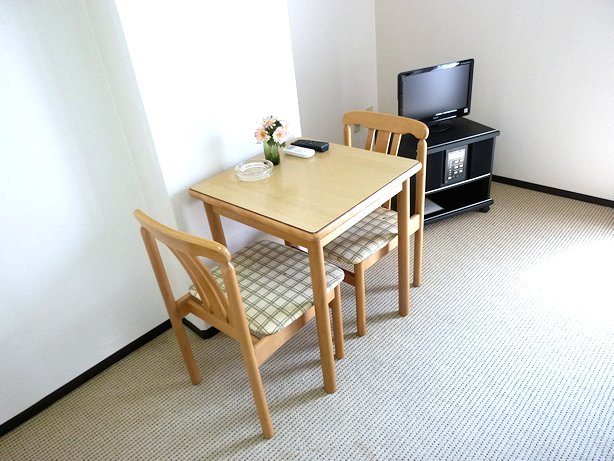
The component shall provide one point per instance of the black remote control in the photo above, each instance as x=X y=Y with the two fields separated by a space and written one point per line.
x=319 y=146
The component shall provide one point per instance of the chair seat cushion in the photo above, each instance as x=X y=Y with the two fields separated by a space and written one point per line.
x=275 y=284
x=363 y=239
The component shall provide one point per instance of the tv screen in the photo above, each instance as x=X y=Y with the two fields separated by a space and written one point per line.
x=436 y=93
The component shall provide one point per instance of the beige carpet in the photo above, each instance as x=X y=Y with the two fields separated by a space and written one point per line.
x=508 y=354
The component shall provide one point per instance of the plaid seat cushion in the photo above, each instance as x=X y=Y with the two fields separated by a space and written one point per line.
x=363 y=239
x=275 y=284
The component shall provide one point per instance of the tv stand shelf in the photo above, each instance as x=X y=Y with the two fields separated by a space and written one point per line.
x=472 y=192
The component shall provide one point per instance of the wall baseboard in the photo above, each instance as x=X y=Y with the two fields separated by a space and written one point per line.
x=554 y=191
x=203 y=334
x=82 y=378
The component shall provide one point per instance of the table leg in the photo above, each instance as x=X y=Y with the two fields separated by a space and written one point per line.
x=403 y=249
x=215 y=224
x=325 y=341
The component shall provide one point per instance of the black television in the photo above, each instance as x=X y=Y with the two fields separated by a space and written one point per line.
x=437 y=93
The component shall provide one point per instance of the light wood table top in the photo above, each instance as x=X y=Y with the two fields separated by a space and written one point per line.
x=311 y=194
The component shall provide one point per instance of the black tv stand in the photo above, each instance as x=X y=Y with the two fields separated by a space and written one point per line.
x=470 y=191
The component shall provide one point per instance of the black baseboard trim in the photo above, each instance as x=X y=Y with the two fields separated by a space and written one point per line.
x=82 y=378
x=203 y=334
x=554 y=191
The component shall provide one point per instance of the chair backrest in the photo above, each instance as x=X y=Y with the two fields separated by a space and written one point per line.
x=221 y=309
x=384 y=130
x=384 y=135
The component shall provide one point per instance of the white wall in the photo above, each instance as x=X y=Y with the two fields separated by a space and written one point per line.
x=74 y=281
x=335 y=62
x=80 y=150
x=543 y=77
x=206 y=82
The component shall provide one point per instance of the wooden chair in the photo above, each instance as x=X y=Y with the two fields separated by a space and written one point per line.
x=261 y=296
x=376 y=235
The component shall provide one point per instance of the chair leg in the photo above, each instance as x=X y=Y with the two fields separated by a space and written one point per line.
x=418 y=240
x=184 y=346
x=255 y=382
x=338 y=323
x=361 y=310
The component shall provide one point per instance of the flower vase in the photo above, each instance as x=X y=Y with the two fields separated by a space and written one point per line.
x=271 y=152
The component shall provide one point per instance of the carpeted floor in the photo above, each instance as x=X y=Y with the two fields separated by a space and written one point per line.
x=508 y=354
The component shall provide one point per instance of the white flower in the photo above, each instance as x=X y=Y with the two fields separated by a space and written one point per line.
x=280 y=135
x=261 y=135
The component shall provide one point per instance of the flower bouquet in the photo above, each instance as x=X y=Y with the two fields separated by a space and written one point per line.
x=273 y=134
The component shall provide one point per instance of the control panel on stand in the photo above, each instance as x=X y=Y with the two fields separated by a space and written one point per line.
x=455 y=170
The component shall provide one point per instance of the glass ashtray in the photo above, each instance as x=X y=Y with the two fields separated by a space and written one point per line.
x=254 y=171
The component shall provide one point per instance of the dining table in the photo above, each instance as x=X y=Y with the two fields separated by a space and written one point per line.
x=308 y=202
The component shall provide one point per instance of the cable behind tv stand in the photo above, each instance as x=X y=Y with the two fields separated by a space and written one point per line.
x=458 y=170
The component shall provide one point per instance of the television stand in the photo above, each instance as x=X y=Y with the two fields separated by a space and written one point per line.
x=467 y=148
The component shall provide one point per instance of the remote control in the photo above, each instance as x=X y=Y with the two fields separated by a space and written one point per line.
x=320 y=146
x=299 y=151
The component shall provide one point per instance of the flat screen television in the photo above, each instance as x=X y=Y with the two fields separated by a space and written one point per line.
x=437 y=93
